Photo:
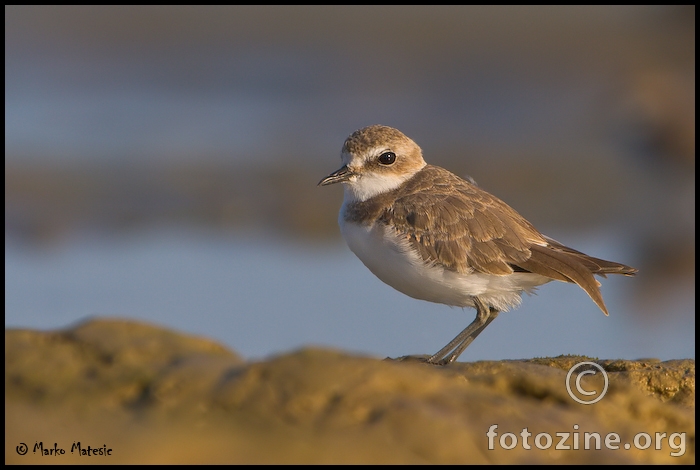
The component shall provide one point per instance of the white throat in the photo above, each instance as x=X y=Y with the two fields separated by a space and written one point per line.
x=367 y=185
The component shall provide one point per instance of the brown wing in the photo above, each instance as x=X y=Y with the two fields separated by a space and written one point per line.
x=460 y=226
x=595 y=265
x=465 y=229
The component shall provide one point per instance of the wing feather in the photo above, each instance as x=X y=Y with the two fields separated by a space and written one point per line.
x=460 y=226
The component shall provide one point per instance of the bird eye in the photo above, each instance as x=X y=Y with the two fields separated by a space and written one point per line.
x=387 y=158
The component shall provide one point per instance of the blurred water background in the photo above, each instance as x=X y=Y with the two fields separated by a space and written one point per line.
x=161 y=164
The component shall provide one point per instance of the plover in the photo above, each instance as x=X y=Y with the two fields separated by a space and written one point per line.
x=437 y=237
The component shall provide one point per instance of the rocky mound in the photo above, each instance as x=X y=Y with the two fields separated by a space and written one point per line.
x=117 y=391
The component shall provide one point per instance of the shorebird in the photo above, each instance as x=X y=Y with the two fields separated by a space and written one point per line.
x=437 y=237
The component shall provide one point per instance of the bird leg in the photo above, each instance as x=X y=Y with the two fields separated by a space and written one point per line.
x=484 y=316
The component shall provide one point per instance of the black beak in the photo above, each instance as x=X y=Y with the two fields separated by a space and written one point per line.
x=337 y=176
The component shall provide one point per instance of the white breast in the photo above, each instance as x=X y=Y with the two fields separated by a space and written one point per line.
x=392 y=260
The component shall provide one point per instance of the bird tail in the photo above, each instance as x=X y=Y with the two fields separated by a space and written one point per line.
x=562 y=263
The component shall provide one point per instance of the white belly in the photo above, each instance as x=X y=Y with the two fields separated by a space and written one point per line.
x=393 y=261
